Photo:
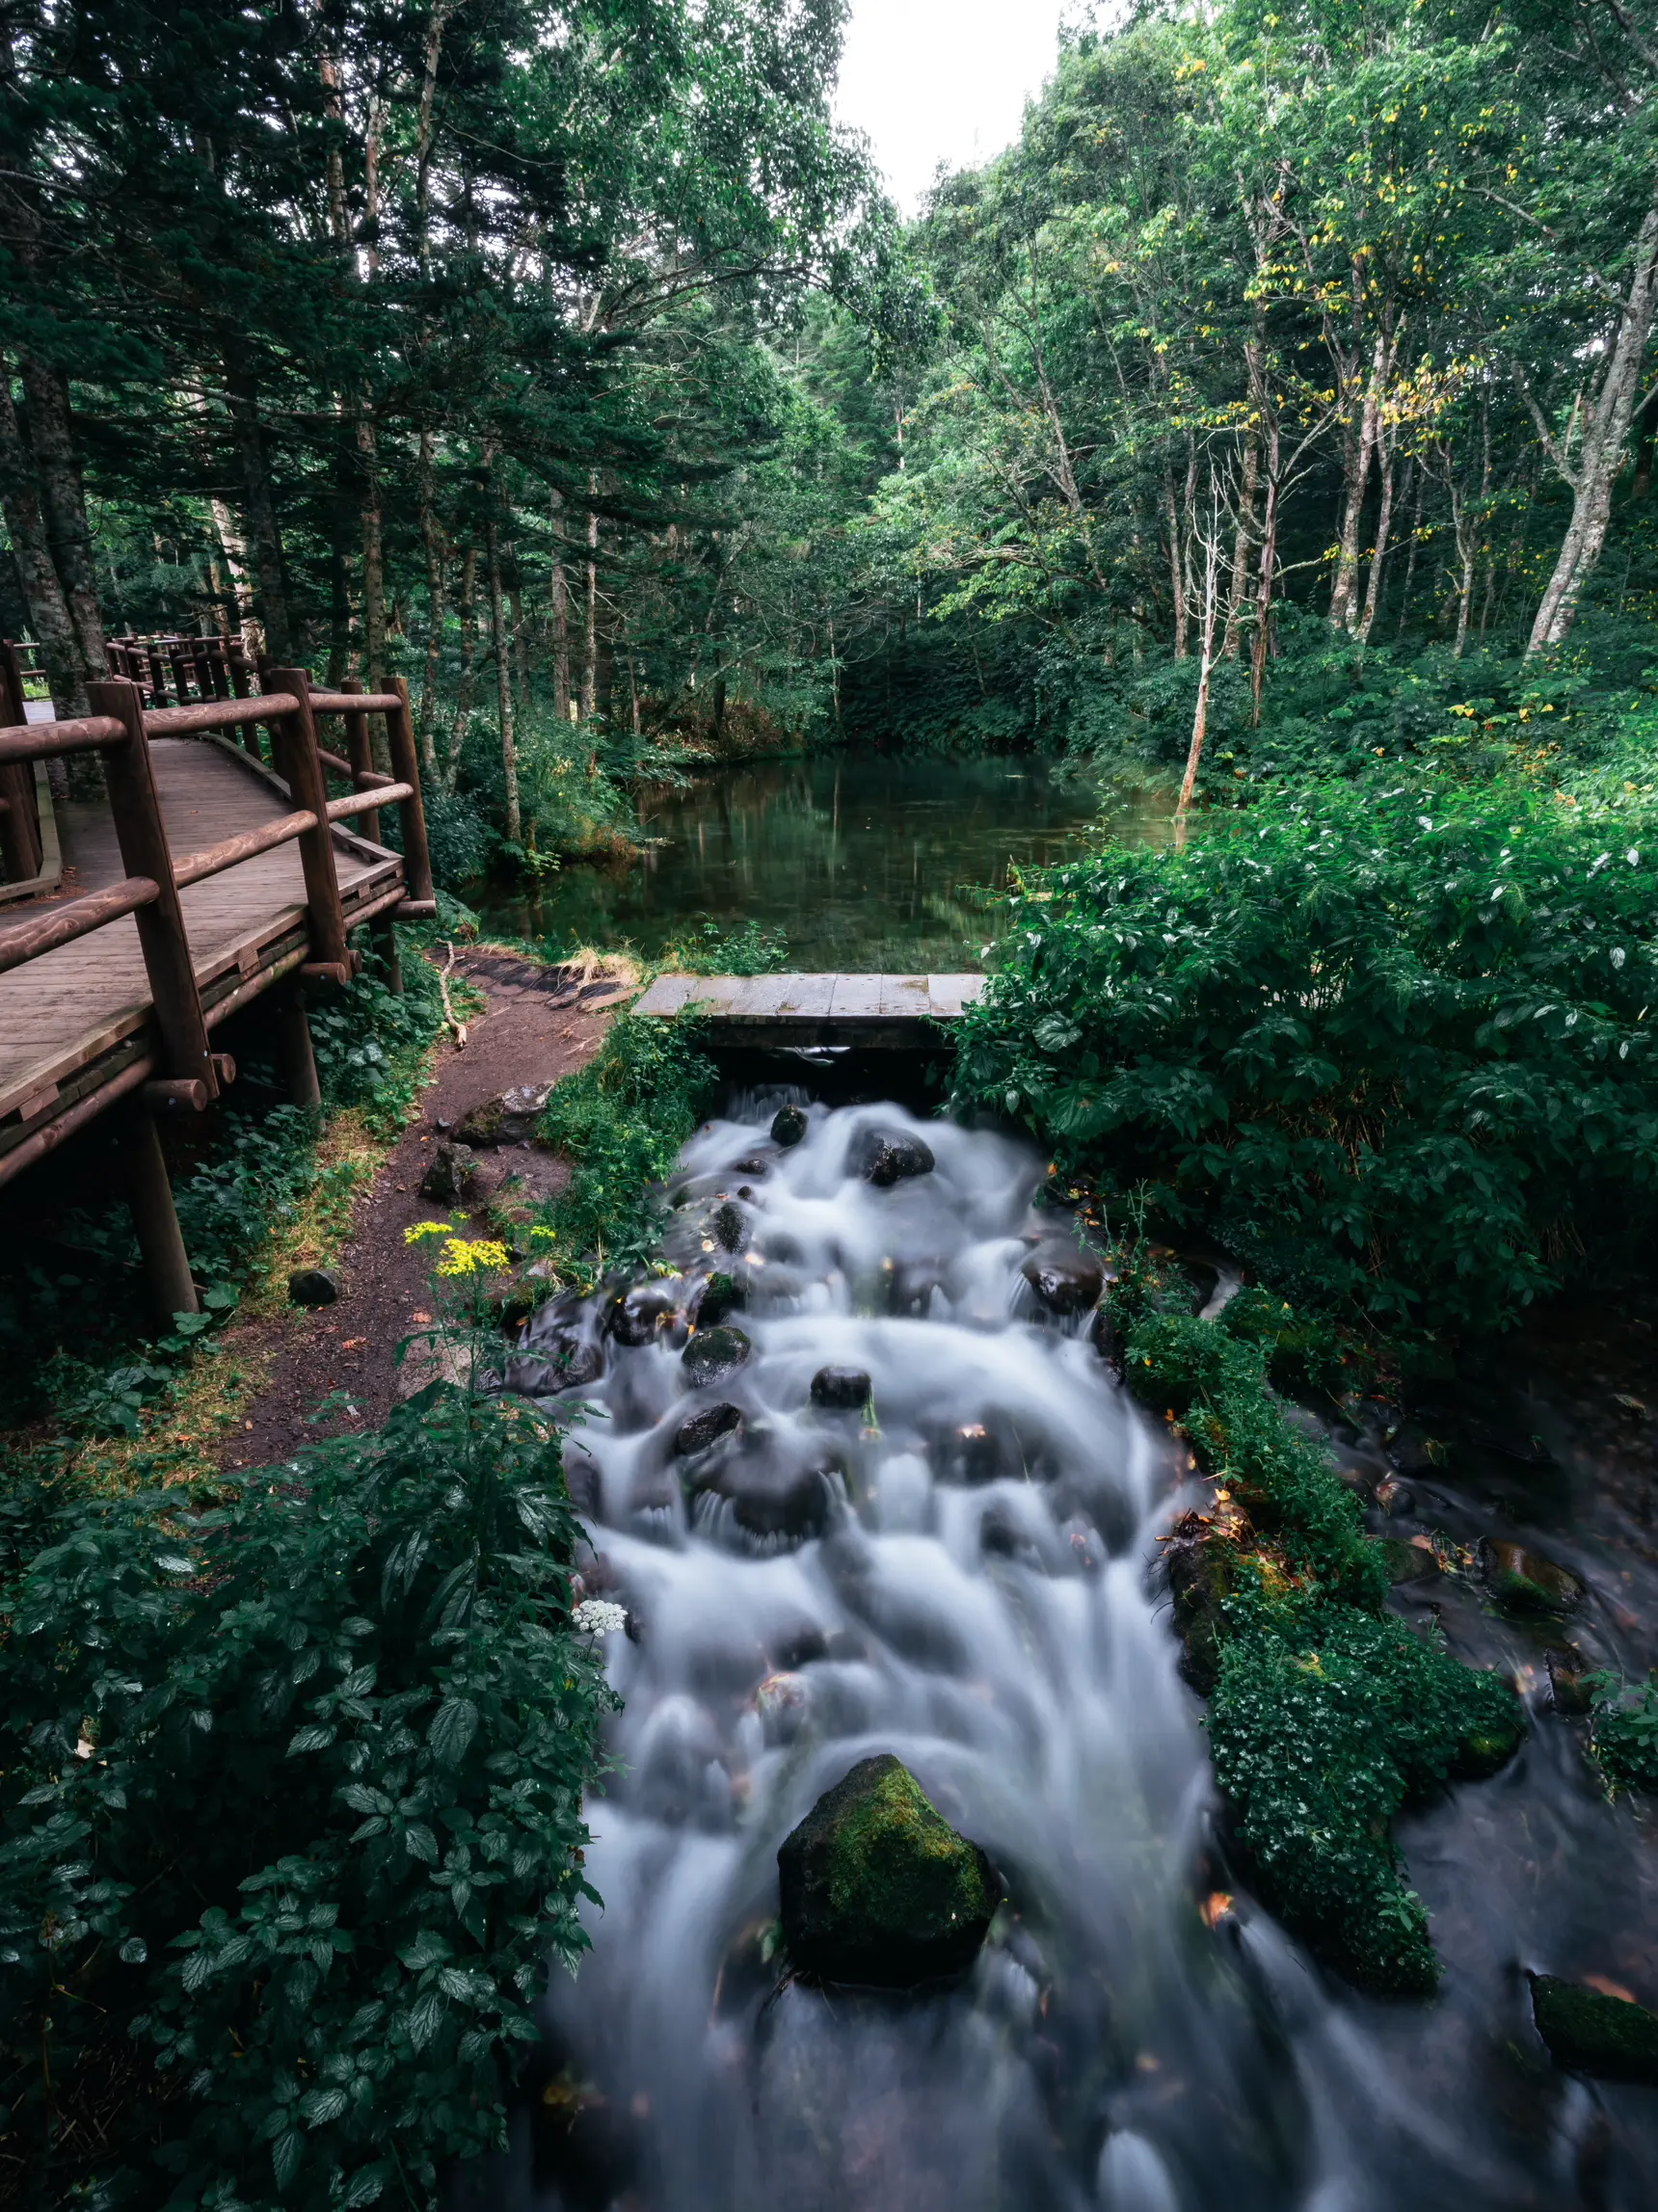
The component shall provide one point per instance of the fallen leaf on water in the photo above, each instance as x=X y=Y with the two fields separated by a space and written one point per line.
x=1216 y=1905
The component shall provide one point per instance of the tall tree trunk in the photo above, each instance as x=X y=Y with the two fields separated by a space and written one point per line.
x=560 y=620
x=1379 y=551
x=233 y=548
x=468 y=665
x=48 y=607
x=1176 y=564
x=1211 y=544
x=520 y=636
x=1602 y=452
x=1361 y=448
x=63 y=507
x=1415 y=540
x=590 y=638
x=264 y=537
x=1265 y=575
x=1241 y=544
x=338 y=618
x=503 y=683
x=432 y=536
x=1467 y=534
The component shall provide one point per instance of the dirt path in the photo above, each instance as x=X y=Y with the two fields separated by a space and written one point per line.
x=531 y=1032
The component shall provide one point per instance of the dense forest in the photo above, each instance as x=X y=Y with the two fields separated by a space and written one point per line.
x=571 y=362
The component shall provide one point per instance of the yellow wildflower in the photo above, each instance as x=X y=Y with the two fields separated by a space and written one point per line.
x=475 y=1256
x=413 y=1235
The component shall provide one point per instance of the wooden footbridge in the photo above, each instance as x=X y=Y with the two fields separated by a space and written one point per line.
x=214 y=870
x=872 y=1013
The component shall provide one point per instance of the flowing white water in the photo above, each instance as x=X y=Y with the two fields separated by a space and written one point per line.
x=967 y=1579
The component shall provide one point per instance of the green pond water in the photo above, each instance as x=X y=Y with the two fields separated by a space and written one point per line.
x=864 y=861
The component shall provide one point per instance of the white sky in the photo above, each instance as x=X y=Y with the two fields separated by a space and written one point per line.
x=942 y=80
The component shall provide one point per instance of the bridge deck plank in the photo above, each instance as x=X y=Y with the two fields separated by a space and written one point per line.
x=62 y=1011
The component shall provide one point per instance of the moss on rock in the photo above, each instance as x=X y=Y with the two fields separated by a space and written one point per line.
x=1589 y=2033
x=877 y=1887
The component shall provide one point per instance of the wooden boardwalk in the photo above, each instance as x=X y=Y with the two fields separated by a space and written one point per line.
x=873 y=1012
x=72 y=1018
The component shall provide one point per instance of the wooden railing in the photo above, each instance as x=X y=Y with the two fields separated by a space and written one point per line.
x=170 y=670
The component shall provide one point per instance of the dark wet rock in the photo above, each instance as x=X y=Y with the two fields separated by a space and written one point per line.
x=1568 y=1682
x=1107 y=1339
x=313 y=1287
x=788 y=1126
x=798 y=1647
x=973 y=1454
x=1414 y=1452
x=1524 y=1582
x=840 y=1389
x=1590 y=2033
x=713 y=1354
x=643 y=1313
x=885 y=1156
x=720 y=1296
x=1395 y=1498
x=568 y=1362
x=729 y=1226
x=774 y=1503
x=1405 y=1563
x=705 y=1428
x=582 y=1480
x=911 y=1284
x=1065 y=1278
x=452 y=1172
x=1201 y=1560
x=878 y=1888
x=1523 y=1450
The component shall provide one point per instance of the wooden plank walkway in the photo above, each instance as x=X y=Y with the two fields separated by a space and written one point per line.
x=75 y=1016
x=870 y=1011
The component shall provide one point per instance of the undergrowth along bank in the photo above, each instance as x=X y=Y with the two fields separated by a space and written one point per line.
x=1326 y=1716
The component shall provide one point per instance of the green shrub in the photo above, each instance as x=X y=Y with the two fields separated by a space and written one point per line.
x=1327 y=1716
x=292 y=1821
x=1388 y=1037
x=1624 y=1730
x=621 y=1121
x=1320 y=1732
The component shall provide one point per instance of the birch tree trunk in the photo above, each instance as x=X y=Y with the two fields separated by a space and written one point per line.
x=1379 y=551
x=1601 y=456
x=1358 y=456
x=1210 y=541
x=1240 y=585
x=590 y=639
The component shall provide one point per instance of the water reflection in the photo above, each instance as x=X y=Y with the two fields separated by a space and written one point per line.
x=864 y=860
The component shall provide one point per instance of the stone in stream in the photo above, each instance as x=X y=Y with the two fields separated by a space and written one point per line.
x=884 y=1157
x=721 y=1295
x=713 y=1354
x=840 y=1389
x=1590 y=2033
x=1568 y=1682
x=563 y=1363
x=642 y=1314
x=878 y=1888
x=1065 y=1278
x=1525 y=1582
x=313 y=1287
x=453 y=1169
x=729 y=1226
x=705 y=1428
x=789 y=1125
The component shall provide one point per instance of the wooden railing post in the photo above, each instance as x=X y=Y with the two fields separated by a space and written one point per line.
x=361 y=754
x=161 y=934
x=155 y=1217
x=302 y=769
x=20 y=815
x=406 y=768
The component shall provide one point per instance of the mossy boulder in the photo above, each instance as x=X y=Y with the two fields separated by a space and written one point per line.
x=878 y=1888
x=1524 y=1582
x=1590 y=2033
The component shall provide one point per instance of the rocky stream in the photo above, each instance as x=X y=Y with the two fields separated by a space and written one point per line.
x=882 y=1531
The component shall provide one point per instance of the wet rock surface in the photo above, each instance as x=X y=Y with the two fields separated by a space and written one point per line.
x=883 y=1158
x=643 y=1315
x=1065 y=1278
x=788 y=1126
x=1589 y=2031
x=840 y=1389
x=705 y=1428
x=878 y=1888
x=713 y=1354
x=1524 y=1582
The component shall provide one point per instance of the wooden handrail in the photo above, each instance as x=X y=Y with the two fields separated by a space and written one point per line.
x=308 y=786
x=39 y=740
x=216 y=715
x=354 y=701
x=73 y=917
x=213 y=860
x=367 y=778
x=341 y=810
